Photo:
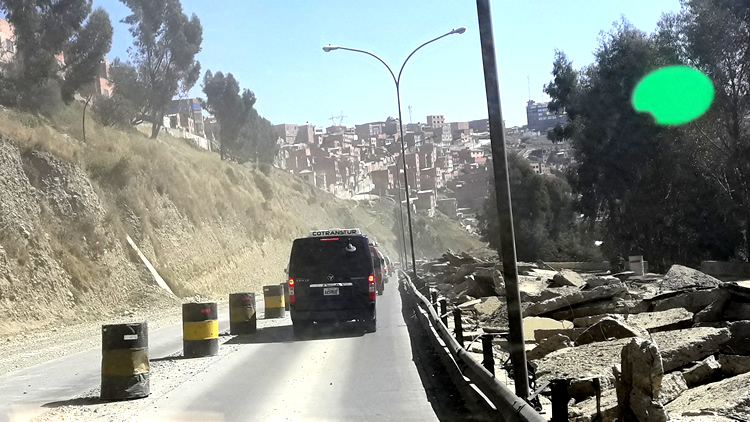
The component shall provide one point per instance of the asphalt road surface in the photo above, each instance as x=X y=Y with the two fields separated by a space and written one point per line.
x=337 y=373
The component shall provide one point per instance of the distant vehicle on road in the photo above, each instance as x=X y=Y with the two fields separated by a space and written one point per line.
x=378 y=264
x=332 y=279
x=389 y=266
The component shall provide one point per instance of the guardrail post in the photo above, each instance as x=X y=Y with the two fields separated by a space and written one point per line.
x=433 y=299
x=560 y=400
x=443 y=312
x=489 y=356
x=458 y=325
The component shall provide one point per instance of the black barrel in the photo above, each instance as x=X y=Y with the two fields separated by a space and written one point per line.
x=273 y=297
x=200 y=329
x=285 y=286
x=125 y=368
x=242 y=316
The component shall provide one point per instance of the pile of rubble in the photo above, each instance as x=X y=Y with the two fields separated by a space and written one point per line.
x=665 y=347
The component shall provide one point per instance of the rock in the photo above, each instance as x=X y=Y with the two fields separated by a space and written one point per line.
x=694 y=301
x=549 y=345
x=608 y=329
x=672 y=385
x=733 y=365
x=736 y=311
x=531 y=325
x=543 y=334
x=587 y=321
x=608 y=306
x=738 y=344
x=682 y=347
x=638 y=383
x=469 y=304
x=465 y=270
x=470 y=287
x=703 y=372
x=487 y=306
x=682 y=278
x=716 y=309
x=729 y=398
x=599 y=293
x=654 y=322
x=567 y=278
x=593 y=360
x=599 y=281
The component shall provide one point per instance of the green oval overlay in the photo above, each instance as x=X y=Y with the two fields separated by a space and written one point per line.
x=674 y=95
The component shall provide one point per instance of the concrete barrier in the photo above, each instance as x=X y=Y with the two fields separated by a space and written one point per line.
x=125 y=367
x=200 y=329
x=580 y=266
x=273 y=297
x=242 y=315
x=726 y=269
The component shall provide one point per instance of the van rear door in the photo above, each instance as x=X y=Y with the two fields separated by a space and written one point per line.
x=330 y=273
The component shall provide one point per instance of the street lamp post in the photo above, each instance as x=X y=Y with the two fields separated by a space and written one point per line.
x=397 y=81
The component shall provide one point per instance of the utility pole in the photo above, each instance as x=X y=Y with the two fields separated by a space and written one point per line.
x=502 y=191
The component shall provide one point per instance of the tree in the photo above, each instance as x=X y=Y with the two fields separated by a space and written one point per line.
x=232 y=110
x=543 y=217
x=44 y=30
x=258 y=139
x=640 y=180
x=163 y=52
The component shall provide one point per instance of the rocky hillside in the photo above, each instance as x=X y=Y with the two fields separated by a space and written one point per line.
x=207 y=226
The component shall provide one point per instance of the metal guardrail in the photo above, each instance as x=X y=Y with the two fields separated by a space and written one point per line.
x=508 y=405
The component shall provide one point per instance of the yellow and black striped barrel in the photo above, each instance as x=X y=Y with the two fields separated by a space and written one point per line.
x=285 y=286
x=242 y=317
x=200 y=329
x=273 y=297
x=125 y=369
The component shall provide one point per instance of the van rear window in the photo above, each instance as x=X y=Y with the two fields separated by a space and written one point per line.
x=313 y=255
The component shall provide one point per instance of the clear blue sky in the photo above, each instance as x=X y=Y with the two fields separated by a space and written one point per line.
x=274 y=48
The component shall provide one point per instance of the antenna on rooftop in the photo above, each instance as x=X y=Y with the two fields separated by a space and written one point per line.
x=410 y=114
x=528 y=86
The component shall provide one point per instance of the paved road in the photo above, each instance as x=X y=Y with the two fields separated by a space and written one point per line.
x=339 y=373
x=24 y=392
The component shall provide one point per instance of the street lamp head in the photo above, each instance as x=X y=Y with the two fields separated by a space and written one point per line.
x=330 y=47
x=459 y=30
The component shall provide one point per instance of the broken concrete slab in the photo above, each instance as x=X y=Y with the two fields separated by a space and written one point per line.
x=543 y=334
x=567 y=278
x=469 y=304
x=487 y=306
x=738 y=344
x=681 y=278
x=580 y=362
x=599 y=281
x=549 y=345
x=638 y=382
x=706 y=371
x=608 y=329
x=682 y=347
x=599 y=293
x=733 y=365
x=587 y=321
x=716 y=309
x=654 y=322
x=672 y=385
x=729 y=397
x=608 y=306
x=693 y=301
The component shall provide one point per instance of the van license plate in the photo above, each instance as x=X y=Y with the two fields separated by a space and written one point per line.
x=330 y=291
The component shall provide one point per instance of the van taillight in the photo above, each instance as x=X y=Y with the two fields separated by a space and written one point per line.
x=371 y=286
x=291 y=290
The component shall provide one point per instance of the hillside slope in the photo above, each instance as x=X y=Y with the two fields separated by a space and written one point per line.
x=208 y=227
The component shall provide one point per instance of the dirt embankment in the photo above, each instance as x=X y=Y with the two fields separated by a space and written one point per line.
x=208 y=227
